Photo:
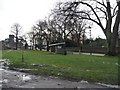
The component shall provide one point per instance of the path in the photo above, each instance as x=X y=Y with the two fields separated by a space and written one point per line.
x=97 y=54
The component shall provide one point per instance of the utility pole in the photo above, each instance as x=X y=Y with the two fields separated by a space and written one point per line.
x=90 y=42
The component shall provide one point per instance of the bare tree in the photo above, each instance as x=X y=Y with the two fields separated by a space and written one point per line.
x=16 y=29
x=79 y=27
x=40 y=33
x=102 y=12
x=31 y=36
x=67 y=22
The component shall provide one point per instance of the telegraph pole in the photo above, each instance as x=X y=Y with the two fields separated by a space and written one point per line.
x=90 y=43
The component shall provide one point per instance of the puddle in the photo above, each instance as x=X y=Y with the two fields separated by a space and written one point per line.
x=24 y=77
x=39 y=65
x=110 y=86
x=1 y=69
x=82 y=81
x=0 y=81
x=5 y=81
x=22 y=69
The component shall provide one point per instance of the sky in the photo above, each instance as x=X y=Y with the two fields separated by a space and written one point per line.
x=27 y=13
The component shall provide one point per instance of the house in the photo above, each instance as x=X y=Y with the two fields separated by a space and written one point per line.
x=9 y=43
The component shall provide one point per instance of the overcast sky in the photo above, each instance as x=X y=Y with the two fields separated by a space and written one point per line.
x=27 y=13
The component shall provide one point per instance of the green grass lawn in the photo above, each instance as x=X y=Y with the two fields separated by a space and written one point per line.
x=102 y=69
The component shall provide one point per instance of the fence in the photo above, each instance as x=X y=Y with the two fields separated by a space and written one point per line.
x=90 y=49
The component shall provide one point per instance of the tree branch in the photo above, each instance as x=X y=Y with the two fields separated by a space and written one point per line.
x=114 y=11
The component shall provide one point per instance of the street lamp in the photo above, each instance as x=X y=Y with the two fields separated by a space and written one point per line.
x=90 y=42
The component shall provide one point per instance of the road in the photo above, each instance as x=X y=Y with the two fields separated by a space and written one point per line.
x=97 y=54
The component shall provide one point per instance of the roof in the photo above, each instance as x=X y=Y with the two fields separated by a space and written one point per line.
x=57 y=44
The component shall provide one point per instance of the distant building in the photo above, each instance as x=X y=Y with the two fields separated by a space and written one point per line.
x=9 y=43
x=57 y=47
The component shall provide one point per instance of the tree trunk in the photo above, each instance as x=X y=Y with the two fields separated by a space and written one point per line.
x=78 y=40
x=112 y=42
x=112 y=46
x=115 y=33
x=48 y=46
x=16 y=43
x=64 y=46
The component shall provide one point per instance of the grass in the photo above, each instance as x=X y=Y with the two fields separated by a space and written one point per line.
x=102 y=69
x=0 y=54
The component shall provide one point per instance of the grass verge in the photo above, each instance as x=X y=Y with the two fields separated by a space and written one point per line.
x=103 y=69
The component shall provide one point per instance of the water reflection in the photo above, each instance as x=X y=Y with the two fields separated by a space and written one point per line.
x=24 y=77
